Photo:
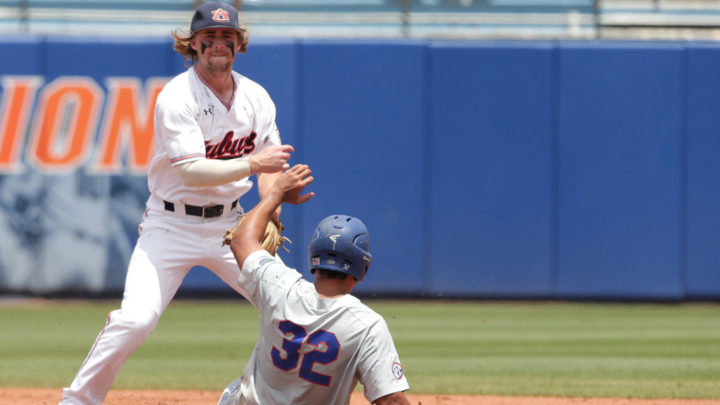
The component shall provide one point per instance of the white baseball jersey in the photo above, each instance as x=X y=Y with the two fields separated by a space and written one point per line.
x=313 y=350
x=192 y=122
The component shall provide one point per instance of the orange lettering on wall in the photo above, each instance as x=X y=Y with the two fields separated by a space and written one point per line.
x=67 y=120
x=128 y=124
x=19 y=94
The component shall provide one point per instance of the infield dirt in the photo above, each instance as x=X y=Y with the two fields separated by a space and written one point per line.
x=47 y=396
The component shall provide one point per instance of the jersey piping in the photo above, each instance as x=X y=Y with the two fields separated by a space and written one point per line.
x=227 y=105
x=186 y=157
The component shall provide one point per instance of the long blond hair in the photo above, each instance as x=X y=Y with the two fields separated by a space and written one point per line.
x=182 y=43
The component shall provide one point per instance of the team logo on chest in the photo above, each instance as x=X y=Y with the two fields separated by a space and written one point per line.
x=230 y=148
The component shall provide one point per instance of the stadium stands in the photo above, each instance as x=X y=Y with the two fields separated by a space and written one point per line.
x=381 y=18
x=669 y=19
x=312 y=18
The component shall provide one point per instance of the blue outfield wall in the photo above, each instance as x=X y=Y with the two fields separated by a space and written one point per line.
x=488 y=169
x=702 y=278
x=620 y=169
x=491 y=153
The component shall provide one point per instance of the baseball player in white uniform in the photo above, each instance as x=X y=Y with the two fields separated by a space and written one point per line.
x=213 y=129
x=316 y=340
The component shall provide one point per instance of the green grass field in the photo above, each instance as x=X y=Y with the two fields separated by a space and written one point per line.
x=466 y=347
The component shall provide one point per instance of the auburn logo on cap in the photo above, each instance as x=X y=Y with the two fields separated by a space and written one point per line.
x=220 y=15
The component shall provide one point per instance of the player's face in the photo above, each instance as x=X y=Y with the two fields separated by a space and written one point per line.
x=216 y=48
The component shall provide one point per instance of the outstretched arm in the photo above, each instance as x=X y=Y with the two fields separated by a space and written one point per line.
x=265 y=182
x=215 y=172
x=287 y=188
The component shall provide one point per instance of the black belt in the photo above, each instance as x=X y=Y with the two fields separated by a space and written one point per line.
x=208 y=211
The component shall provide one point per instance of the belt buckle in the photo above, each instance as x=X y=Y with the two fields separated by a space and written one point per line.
x=212 y=211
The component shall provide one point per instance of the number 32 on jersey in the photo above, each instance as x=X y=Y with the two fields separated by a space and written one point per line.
x=289 y=356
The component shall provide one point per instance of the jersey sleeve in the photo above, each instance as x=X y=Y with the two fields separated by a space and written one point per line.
x=266 y=278
x=177 y=133
x=379 y=369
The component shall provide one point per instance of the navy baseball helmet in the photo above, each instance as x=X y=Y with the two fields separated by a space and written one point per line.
x=215 y=14
x=340 y=243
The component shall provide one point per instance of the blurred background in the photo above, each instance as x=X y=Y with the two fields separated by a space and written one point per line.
x=515 y=149
x=468 y=19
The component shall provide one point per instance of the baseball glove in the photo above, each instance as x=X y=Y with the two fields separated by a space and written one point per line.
x=273 y=238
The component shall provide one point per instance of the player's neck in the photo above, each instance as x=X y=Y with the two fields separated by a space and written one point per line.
x=333 y=288
x=330 y=296
x=221 y=83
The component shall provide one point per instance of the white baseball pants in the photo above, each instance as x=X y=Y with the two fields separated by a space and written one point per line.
x=169 y=245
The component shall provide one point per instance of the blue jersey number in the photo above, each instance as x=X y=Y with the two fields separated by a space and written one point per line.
x=291 y=346
x=288 y=358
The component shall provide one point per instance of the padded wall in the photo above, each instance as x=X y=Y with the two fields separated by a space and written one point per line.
x=703 y=172
x=492 y=129
x=362 y=113
x=491 y=169
x=620 y=173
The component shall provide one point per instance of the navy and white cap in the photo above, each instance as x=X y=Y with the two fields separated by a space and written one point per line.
x=215 y=14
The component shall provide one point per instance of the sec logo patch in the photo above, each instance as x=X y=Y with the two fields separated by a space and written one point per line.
x=397 y=370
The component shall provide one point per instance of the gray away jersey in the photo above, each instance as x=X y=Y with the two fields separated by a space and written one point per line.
x=313 y=350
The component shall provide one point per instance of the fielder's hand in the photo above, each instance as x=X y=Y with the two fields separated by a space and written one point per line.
x=271 y=159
